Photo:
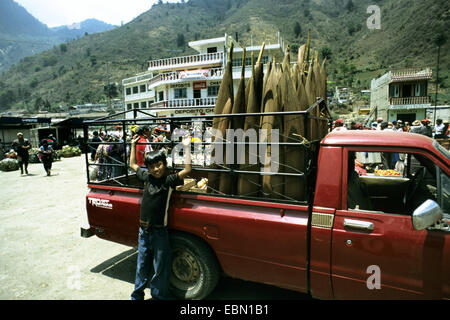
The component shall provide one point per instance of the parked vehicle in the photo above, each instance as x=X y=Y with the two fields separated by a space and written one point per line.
x=356 y=235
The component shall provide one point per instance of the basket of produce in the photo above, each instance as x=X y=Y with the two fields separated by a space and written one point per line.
x=11 y=155
x=34 y=158
x=68 y=151
x=9 y=164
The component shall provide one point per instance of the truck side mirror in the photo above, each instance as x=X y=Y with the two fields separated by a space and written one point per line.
x=426 y=215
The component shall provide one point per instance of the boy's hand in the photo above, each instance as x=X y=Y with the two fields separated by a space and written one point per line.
x=186 y=141
x=135 y=139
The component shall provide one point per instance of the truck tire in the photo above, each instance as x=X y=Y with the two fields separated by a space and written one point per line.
x=195 y=269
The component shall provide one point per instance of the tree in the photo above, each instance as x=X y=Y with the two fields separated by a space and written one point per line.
x=180 y=40
x=93 y=60
x=307 y=13
x=38 y=103
x=325 y=52
x=350 y=6
x=111 y=90
x=34 y=82
x=346 y=72
x=297 y=29
x=7 y=99
x=63 y=47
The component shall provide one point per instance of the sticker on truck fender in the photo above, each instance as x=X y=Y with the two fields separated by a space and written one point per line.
x=100 y=203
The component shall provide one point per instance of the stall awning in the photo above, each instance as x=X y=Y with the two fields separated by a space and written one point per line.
x=69 y=123
x=23 y=121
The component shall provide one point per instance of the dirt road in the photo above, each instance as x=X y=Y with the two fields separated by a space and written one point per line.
x=43 y=257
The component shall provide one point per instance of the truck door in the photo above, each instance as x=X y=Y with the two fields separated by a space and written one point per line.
x=376 y=252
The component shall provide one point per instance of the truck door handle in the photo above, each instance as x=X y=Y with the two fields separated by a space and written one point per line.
x=358 y=224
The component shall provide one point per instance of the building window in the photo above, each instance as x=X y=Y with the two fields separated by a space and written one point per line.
x=150 y=103
x=161 y=96
x=136 y=105
x=419 y=89
x=128 y=91
x=143 y=88
x=129 y=106
x=212 y=50
x=236 y=62
x=248 y=61
x=213 y=91
x=180 y=93
x=135 y=90
x=143 y=105
x=395 y=91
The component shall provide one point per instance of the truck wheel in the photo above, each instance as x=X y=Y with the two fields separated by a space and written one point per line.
x=195 y=270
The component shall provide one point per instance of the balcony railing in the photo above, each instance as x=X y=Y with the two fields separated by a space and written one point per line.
x=195 y=59
x=179 y=103
x=411 y=74
x=174 y=76
x=409 y=100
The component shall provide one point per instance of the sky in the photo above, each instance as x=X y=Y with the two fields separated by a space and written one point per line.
x=56 y=13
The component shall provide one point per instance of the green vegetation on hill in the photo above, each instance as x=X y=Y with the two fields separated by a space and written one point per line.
x=22 y=35
x=77 y=71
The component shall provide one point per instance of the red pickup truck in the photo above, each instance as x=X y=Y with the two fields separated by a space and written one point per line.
x=375 y=225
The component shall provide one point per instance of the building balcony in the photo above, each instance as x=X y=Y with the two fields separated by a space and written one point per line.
x=411 y=74
x=139 y=77
x=409 y=101
x=186 y=61
x=180 y=103
x=207 y=74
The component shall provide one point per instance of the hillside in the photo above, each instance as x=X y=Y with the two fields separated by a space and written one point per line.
x=22 y=35
x=77 y=71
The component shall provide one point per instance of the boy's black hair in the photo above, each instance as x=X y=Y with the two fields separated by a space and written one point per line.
x=155 y=156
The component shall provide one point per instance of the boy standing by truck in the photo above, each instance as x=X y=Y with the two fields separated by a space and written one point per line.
x=153 y=234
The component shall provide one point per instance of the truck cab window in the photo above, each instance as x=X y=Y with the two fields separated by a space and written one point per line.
x=389 y=182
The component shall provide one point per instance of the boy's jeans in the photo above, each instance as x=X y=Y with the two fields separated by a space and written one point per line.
x=154 y=242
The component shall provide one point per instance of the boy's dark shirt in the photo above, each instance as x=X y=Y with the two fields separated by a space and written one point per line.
x=154 y=200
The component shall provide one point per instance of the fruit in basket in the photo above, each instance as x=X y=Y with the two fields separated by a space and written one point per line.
x=68 y=151
x=33 y=152
x=387 y=172
x=11 y=154
x=9 y=164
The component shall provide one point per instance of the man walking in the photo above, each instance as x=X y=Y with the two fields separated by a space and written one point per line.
x=21 y=146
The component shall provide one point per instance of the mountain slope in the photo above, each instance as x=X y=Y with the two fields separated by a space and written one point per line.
x=15 y=20
x=76 y=72
x=22 y=35
x=77 y=30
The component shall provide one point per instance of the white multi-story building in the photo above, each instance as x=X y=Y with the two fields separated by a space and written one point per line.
x=189 y=85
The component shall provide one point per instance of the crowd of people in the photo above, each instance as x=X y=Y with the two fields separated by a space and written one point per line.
x=439 y=131
x=109 y=153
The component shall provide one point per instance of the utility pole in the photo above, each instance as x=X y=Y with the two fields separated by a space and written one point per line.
x=437 y=85
x=439 y=41
x=108 y=85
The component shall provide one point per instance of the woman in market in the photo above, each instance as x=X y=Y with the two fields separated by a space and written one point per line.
x=46 y=155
